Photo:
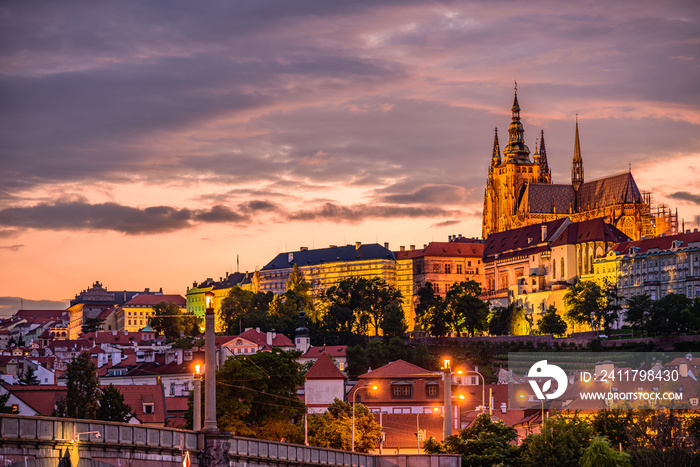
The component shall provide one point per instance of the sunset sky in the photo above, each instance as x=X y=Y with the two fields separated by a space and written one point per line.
x=148 y=144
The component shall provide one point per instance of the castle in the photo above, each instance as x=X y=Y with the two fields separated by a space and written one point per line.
x=519 y=192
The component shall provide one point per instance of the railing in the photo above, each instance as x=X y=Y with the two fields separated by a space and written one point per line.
x=255 y=448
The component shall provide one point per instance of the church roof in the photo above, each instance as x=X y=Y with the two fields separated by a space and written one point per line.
x=546 y=198
x=521 y=239
x=592 y=230
x=608 y=191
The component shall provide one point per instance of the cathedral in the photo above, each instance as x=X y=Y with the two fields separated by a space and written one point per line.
x=520 y=192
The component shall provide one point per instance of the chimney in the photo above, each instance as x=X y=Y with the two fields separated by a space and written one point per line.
x=412 y=247
x=268 y=338
x=544 y=233
x=386 y=245
x=358 y=245
x=402 y=248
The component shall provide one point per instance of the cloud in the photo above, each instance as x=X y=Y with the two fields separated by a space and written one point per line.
x=431 y=194
x=446 y=223
x=685 y=196
x=11 y=247
x=115 y=217
x=360 y=212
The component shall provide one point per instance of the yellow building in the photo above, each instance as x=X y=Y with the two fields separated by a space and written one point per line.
x=196 y=295
x=134 y=315
x=519 y=192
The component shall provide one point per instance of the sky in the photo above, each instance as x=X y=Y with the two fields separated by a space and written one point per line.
x=151 y=144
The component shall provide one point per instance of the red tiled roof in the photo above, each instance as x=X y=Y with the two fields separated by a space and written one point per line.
x=150 y=300
x=43 y=314
x=40 y=398
x=324 y=368
x=260 y=338
x=176 y=404
x=589 y=231
x=662 y=243
x=400 y=369
x=332 y=350
x=137 y=395
x=517 y=239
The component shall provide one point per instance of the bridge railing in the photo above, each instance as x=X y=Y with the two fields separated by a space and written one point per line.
x=24 y=428
x=307 y=455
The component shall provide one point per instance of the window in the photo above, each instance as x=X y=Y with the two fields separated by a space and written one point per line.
x=436 y=268
x=436 y=288
x=432 y=389
x=448 y=268
x=172 y=389
x=459 y=269
x=401 y=391
x=148 y=408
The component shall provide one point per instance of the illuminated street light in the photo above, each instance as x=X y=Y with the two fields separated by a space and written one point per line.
x=354 y=397
x=210 y=363
x=197 y=405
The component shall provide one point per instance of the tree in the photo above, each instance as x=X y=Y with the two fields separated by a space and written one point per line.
x=659 y=437
x=92 y=325
x=638 y=311
x=614 y=425
x=83 y=389
x=256 y=394
x=561 y=442
x=167 y=320
x=393 y=323
x=600 y=454
x=551 y=323
x=510 y=320
x=112 y=406
x=4 y=399
x=243 y=309
x=378 y=298
x=377 y=353
x=430 y=311
x=333 y=429
x=589 y=303
x=29 y=378
x=484 y=443
x=465 y=310
x=344 y=321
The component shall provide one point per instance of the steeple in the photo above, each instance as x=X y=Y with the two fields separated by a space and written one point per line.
x=302 y=342
x=496 y=156
x=577 y=168
x=516 y=150
x=545 y=176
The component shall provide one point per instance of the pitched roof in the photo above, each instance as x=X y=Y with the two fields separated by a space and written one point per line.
x=260 y=338
x=548 y=198
x=400 y=369
x=41 y=398
x=332 y=350
x=43 y=314
x=529 y=236
x=324 y=368
x=138 y=395
x=150 y=300
x=662 y=243
x=608 y=191
x=589 y=231
x=329 y=255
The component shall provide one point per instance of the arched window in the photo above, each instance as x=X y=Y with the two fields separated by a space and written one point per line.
x=562 y=269
x=554 y=269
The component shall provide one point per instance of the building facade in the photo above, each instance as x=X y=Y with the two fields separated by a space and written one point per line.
x=519 y=191
x=196 y=295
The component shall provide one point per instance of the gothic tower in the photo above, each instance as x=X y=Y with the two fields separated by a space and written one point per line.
x=577 y=167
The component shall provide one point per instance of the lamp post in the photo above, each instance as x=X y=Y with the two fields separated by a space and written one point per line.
x=197 y=406
x=354 y=397
x=448 y=398
x=210 y=364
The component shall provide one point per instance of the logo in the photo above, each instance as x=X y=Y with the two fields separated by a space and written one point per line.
x=542 y=370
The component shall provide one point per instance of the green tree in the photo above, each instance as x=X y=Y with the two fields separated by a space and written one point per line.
x=393 y=323
x=484 y=443
x=4 y=400
x=243 y=309
x=83 y=389
x=551 y=323
x=639 y=309
x=168 y=320
x=561 y=442
x=92 y=325
x=510 y=320
x=667 y=315
x=256 y=394
x=659 y=437
x=614 y=424
x=431 y=311
x=345 y=320
x=600 y=454
x=589 y=303
x=333 y=429
x=465 y=310
x=112 y=406
x=29 y=378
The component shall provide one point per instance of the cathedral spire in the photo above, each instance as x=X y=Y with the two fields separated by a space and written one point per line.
x=496 y=156
x=577 y=168
x=516 y=150
x=545 y=176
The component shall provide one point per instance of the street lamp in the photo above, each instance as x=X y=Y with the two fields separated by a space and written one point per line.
x=483 y=386
x=210 y=363
x=197 y=406
x=354 y=397
x=448 y=398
